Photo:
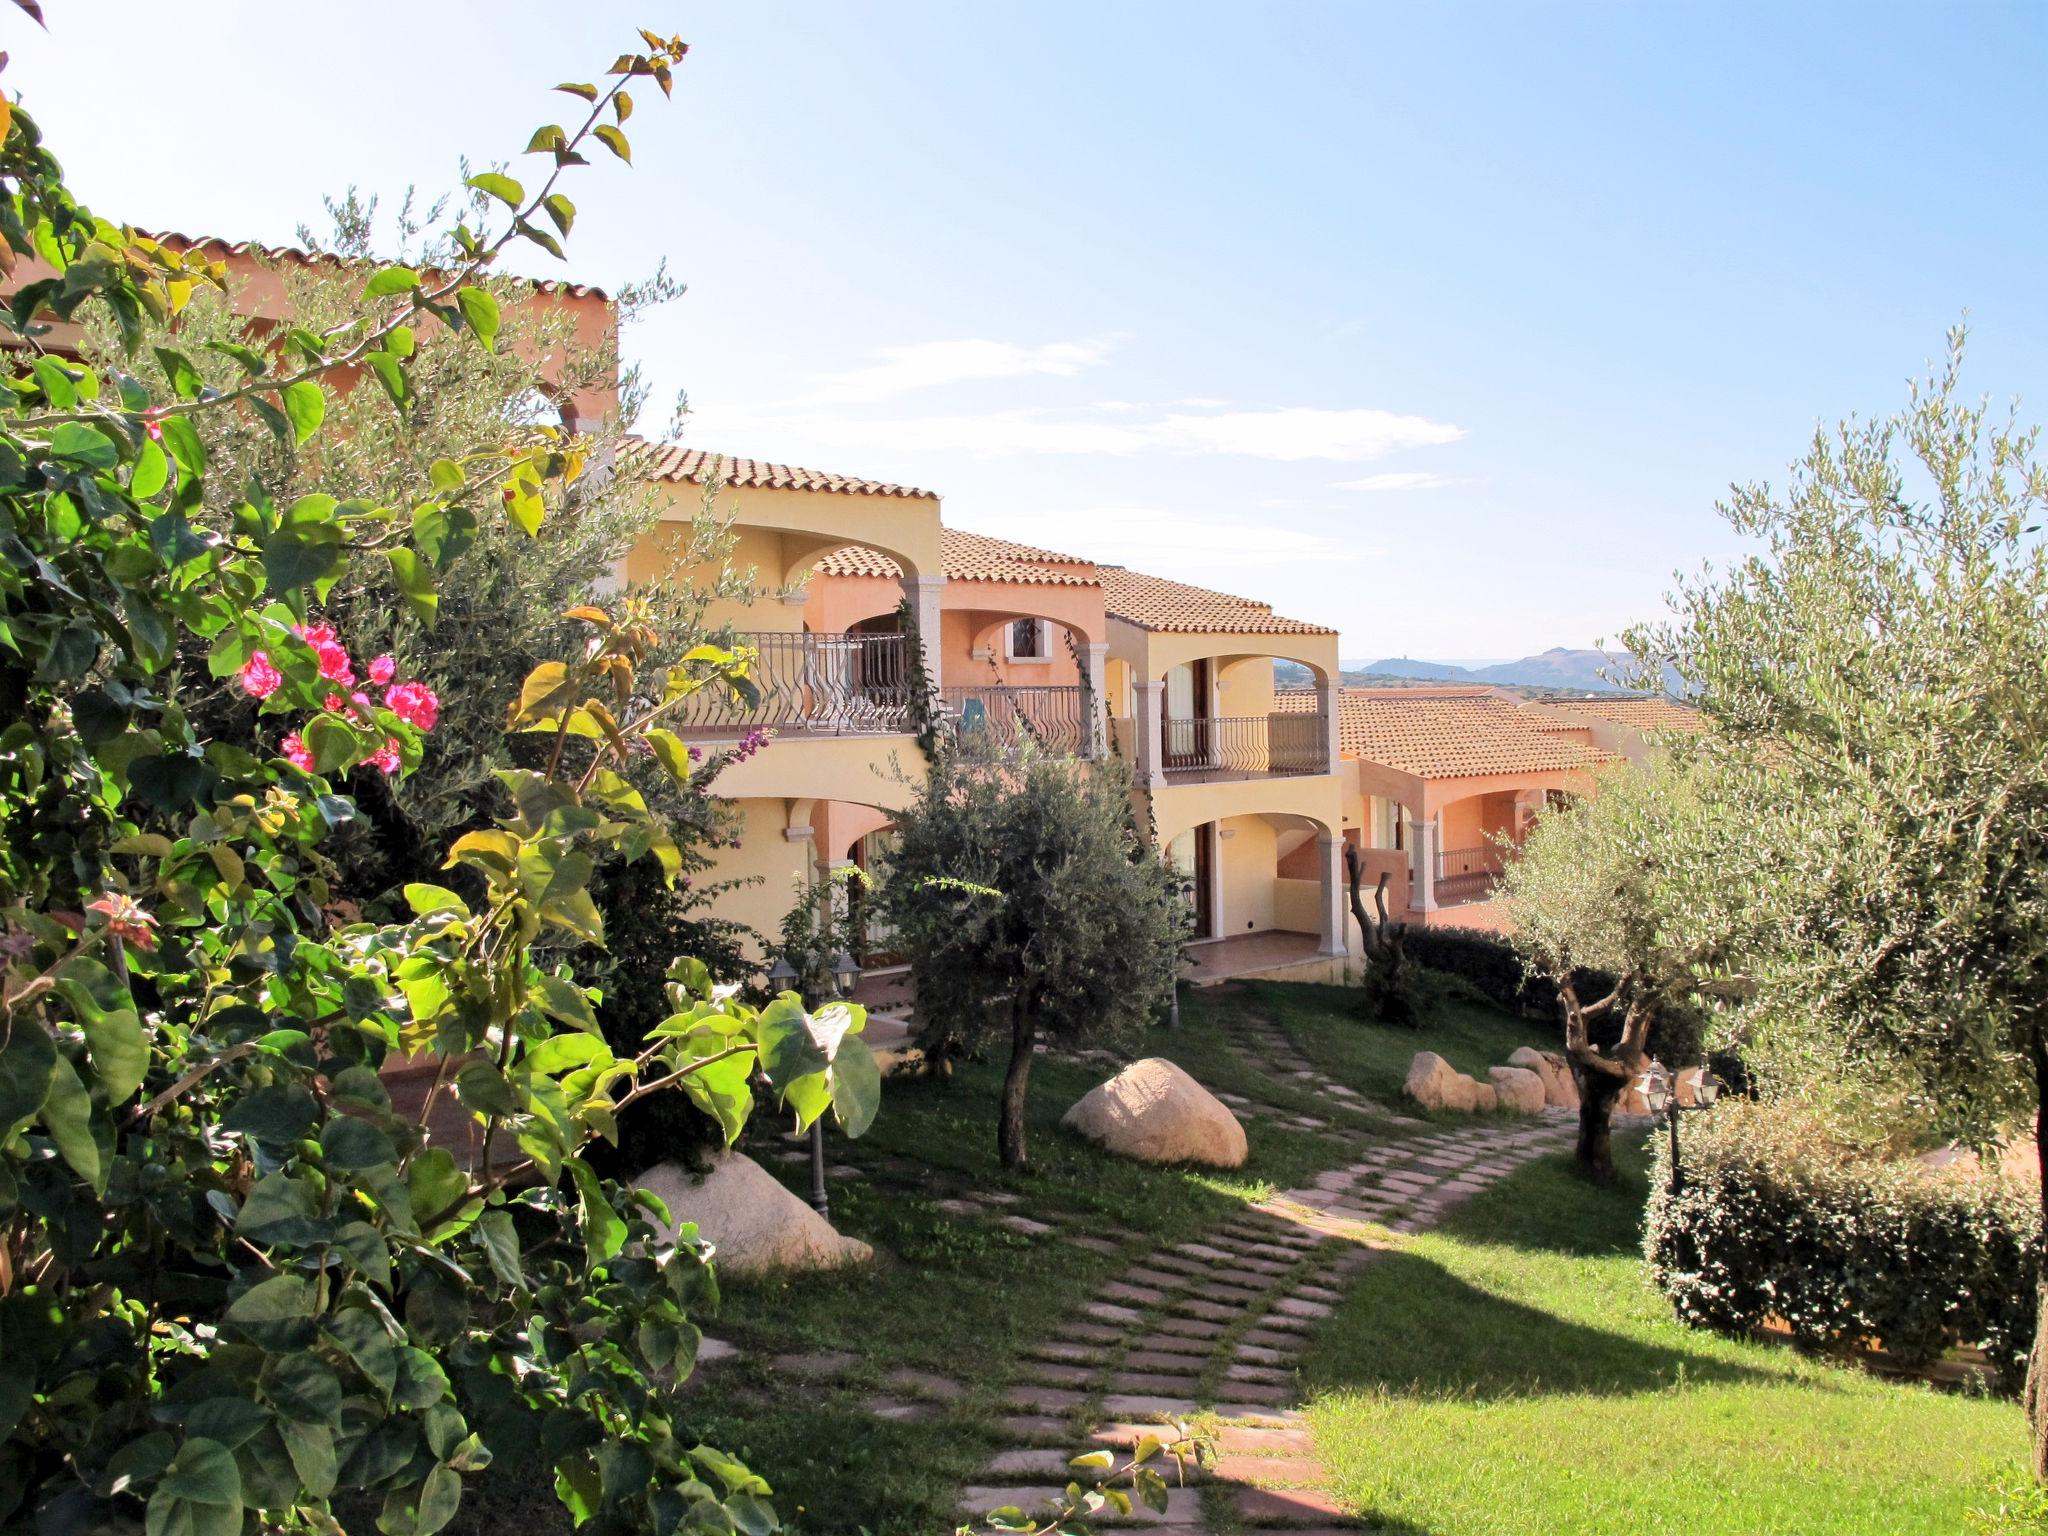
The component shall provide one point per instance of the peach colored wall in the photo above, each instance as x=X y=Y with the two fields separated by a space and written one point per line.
x=1477 y=820
x=973 y=615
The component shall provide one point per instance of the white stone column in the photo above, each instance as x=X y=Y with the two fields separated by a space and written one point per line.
x=1147 y=698
x=1422 y=889
x=1096 y=655
x=1329 y=702
x=923 y=593
x=1336 y=935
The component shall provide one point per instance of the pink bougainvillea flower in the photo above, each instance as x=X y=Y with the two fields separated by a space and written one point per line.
x=414 y=703
x=259 y=679
x=296 y=753
x=335 y=665
x=388 y=759
x=155 y=429
x=316 y=635
x=125 y=920
x=382 y=670
x=334 y=704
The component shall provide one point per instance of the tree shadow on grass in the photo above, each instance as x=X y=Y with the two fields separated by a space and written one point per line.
x=1417 y=1330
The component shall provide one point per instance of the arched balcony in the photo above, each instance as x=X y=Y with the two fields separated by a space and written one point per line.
x=1216 y=716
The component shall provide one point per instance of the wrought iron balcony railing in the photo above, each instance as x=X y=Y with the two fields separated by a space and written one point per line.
x=1468 y=874
x=834 y=684
x=1057 y=719
x=1245 y=747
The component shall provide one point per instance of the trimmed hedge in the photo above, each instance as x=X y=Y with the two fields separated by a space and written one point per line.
x=1488 y=965
x=1844 y=1248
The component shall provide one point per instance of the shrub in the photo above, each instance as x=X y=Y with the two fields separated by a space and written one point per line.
x=1776 y=1220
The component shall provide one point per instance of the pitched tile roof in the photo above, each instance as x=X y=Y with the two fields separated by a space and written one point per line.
x=670 y=461
x=1173 y=607
x=972 y=557
x=1448 y=733
x=1646 y=714
x=299 y=256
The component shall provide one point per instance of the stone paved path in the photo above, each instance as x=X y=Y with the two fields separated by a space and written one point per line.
x=1220 y=1326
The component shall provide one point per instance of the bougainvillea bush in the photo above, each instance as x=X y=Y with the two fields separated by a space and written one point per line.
x=235 y=1285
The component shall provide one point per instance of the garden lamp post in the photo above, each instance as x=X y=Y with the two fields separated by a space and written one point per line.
x=1660 y=1094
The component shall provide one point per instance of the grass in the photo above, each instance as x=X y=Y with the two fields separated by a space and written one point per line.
x=1511 y=1373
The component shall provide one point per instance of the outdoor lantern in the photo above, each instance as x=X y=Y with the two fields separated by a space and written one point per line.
x=1708 y=1090
x=1655 y=1088
x=782 y=973
x=846 y=972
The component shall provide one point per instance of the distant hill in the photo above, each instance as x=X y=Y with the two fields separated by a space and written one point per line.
x=1555 y=668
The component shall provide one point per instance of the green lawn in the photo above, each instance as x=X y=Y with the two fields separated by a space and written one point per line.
x=1512 y=1373
x=1509 y=1375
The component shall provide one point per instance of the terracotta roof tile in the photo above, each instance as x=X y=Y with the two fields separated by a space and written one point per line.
x=299 y=256
x=972 y=557
x=1644 y=714
x=669 y=461
x=1448 y=733
x=1174 y=607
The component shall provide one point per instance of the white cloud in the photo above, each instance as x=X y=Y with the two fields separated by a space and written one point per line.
x=1400 y=480
x=1178 y=544
x=927 y=365
x=1288 y=434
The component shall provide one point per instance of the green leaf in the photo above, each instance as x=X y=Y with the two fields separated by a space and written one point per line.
x=137 y=1462
x=390 y=375
x=587 y=92
x=299 y=555
x=577 y=912
x=152 y=471
x=276 y=1115
x=76 y=443
x=67 y=1116
x=273 y=1313
x=446 y=475
x=332 y=742
x=500 y=1237
x=279 y=1209
x=604 y=1234
x=425 y=899
x=415 y=578
x=856 y=1086
x=614 y=140
x=393 y=280
x=113 y=1029
x=480 y=310
x=722 y=1090
x=351 y=1145
x=561 y=210
x=25 y=1061
x=305 y=404
x=311 y=1447
x=199 y=1494
x=787 y=1050
x=546 y=138
x=362 y=1336
x=302 y=1386
x=183 y=441
x=502 y=187
x=437 y=1186
x=185 y=380
x=56 y=382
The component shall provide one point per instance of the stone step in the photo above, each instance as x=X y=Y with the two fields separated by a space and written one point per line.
x=1183 y=1505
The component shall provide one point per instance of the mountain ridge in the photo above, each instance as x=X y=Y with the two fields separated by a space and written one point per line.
x=1558 y=667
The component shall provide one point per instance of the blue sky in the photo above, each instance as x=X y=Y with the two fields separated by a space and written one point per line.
x=1443 y=324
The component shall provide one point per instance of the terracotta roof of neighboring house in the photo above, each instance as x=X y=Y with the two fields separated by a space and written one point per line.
x=669 y=461
x=1648 y=714
x=1448 y=733
x=1174 y=607
x=971 y=557
x=299 y=256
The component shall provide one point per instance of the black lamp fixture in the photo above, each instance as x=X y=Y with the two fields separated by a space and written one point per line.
x=1660 y=1095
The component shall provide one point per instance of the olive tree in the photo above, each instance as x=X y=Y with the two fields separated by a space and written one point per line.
x=1024 y=893
x=1607 y=902
x=1878 y=665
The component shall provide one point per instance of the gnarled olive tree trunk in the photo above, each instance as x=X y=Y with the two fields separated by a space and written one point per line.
x=1016 y=1084
x=1602 y=1073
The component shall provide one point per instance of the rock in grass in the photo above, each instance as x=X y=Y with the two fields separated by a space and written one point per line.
x=1520 y=1090
x=757 y=1225
x=1435 y=1084
x=1156 y=1113
x=1559 y=1086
